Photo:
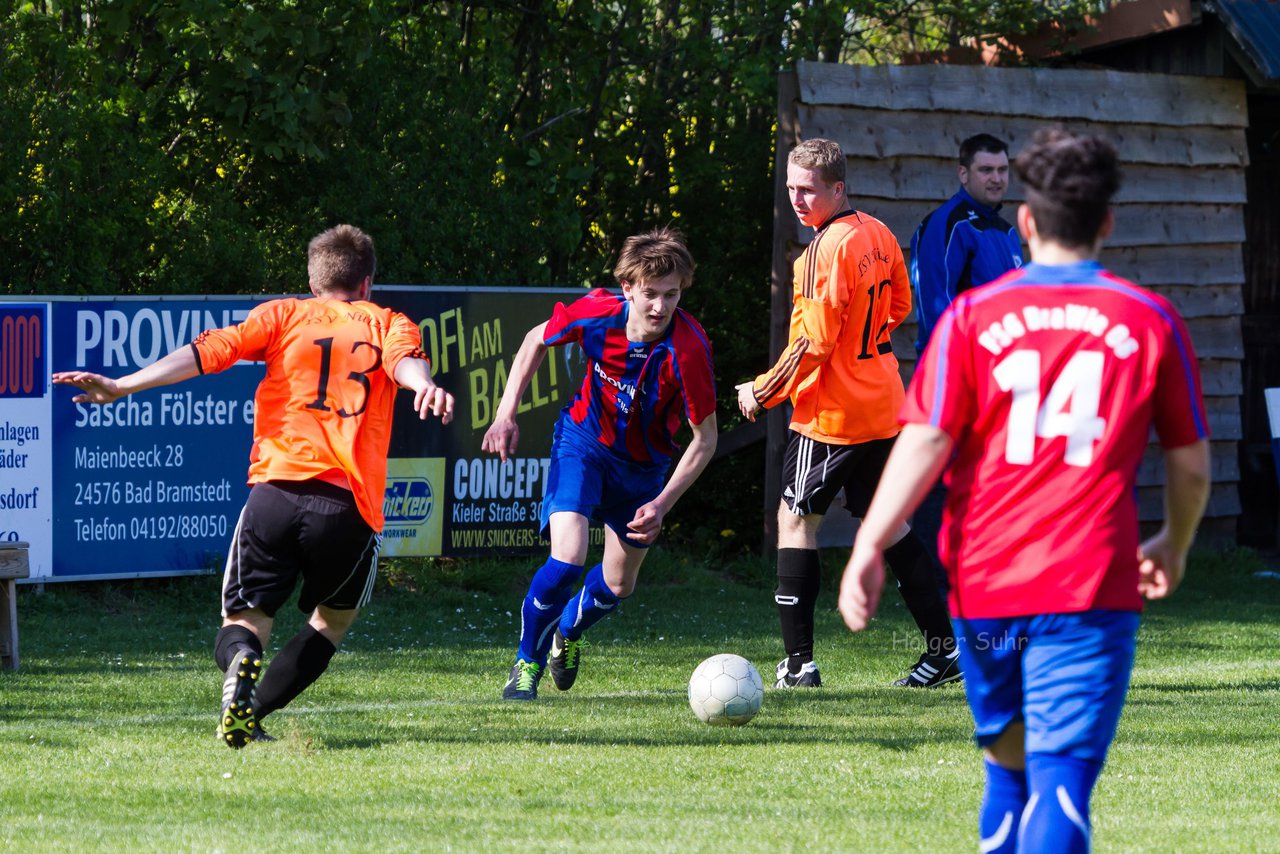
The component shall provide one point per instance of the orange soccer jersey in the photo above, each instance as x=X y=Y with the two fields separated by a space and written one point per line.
x=850 y=291
x=327 y=399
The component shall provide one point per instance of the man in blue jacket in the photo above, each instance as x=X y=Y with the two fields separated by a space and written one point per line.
x=960 y=245
x=964 y=243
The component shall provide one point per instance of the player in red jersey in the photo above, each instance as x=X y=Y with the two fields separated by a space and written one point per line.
x=1041 y=389
x=321 y=429
x=648 y=371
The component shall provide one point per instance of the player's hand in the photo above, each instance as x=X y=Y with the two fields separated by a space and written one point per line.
x=860 y=587
x=646 y=525
x=95 y=387
x=1160 y=567
x=747 y=400
x=501 y=438
x=433 y=400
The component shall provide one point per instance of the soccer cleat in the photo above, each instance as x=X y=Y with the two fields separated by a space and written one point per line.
x=238 y=724
x=523 y=682
x=931 y=671
x=565 y=656
x=807 y=677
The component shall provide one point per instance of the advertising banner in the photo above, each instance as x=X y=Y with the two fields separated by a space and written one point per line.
x=444 y=496
x=26 y=492
x=153 y=483
x=155 y=480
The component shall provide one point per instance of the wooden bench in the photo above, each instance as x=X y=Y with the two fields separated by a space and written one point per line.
x=14 y=563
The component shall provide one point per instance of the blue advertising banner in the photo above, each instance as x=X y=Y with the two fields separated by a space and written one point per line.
x=153 y=484
x=155 y=480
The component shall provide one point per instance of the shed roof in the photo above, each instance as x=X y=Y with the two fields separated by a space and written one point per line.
x=1255 y=27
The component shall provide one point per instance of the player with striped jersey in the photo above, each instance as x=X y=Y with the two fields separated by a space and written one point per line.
x=1041 y=389
x=850 y=291
x=648 y=371
x=318 y=466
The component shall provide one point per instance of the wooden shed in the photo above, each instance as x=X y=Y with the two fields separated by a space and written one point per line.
x=1239 y=41
x=1180 y=216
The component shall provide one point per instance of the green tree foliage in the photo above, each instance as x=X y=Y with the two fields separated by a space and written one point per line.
x=195 y=145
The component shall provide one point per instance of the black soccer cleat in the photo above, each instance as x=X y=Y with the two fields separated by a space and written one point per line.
x=565 y=656
x=238 y=723
x=807 y=677
x=931 y=671
x=522 y=684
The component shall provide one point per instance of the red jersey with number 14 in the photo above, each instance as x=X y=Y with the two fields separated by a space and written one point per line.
x=327 y=399
x=1049 y=380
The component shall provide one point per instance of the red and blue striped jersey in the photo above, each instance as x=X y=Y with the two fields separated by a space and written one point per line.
x=1049 y=380
x=635 y=395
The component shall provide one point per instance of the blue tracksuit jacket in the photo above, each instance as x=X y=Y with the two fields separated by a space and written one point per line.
x=959 y=246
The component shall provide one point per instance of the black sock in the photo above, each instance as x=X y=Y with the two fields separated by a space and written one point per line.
x=913 y=568
x=293 y=668
x=799 y=579
x=229 y=641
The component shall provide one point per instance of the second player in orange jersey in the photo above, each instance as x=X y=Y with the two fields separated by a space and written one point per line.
x=838 y=370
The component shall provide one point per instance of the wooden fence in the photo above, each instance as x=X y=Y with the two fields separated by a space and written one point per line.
x=1179 y=213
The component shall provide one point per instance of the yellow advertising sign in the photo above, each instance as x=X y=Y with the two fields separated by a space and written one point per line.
x=413 y=507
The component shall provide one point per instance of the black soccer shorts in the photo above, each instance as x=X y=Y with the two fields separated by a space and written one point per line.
x=300 y=529
x=814 y=472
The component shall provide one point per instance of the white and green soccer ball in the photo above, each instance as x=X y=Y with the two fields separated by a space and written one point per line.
x=725 y=690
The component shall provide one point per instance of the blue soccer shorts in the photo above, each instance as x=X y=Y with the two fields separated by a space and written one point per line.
x=1064 y=675
x=585 y=477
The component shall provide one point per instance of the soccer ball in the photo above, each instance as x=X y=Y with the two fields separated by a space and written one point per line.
x=725 y=690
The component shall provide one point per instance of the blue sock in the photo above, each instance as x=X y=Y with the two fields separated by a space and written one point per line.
x=1002 y=804
x=550 y=589
x=592 y=604
x=1057 y=814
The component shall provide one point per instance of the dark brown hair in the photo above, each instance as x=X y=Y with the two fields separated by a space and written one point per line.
x=981 y=142
x=1069 y=180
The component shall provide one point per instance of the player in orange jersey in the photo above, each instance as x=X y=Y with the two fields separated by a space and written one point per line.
x=839 y=371
x=318 y=466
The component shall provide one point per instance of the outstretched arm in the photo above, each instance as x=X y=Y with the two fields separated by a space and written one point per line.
x=503 y=435
x=1163 y=558
x=918 y=457
x=428 y=398
x=646 y=524
x=179 y=365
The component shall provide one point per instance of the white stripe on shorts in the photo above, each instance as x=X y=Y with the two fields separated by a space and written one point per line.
x=375 y=543
x=373 y=572
x=804 y=462
x=233 y=559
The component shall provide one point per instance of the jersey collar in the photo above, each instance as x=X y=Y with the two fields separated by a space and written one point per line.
x=834 y=217
x=1057 y=274
x=970 y=201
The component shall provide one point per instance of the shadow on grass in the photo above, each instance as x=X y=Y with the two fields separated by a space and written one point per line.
x=1268 y=687
x=659 y=719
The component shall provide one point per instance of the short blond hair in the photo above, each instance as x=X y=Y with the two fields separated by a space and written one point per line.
x=654 y=254
x=823 y=156
x=339 y=259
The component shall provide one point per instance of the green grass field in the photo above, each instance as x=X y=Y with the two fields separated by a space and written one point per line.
x=107 y=733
